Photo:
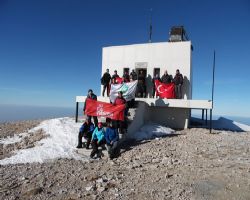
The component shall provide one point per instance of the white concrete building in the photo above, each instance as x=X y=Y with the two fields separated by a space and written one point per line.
x=156 y=58
x=151 y=57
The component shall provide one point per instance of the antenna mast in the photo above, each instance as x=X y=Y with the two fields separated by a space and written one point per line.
x=150 y=27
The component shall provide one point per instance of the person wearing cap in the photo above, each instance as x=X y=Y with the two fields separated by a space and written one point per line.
x=85 y=131
x=91 y=95
x=119 y=101
x=178 y=81
x=105 y=80
x=112 y=138
x=114 y=77
x=98 y=139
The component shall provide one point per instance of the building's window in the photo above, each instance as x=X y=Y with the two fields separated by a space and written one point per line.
x=156 y=71
x=125 y=70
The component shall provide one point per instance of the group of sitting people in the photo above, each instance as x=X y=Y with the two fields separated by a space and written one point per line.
x=98 y=136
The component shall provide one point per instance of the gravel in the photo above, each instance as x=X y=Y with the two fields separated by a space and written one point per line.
x=192 y=164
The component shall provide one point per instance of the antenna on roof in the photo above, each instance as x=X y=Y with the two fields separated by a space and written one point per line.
x=150 y=26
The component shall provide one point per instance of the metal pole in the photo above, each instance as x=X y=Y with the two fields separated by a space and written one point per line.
x=206 y=116
x=212 y=95
x=210 y=126
x=213 y=81
x=202 y=115
x=77 y=104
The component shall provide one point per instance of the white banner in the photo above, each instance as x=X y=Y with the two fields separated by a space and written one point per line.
x=128 y=90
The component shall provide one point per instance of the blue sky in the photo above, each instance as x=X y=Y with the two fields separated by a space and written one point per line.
x=50 y=50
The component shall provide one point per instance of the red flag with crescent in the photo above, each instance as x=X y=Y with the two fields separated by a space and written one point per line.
x=164 y=90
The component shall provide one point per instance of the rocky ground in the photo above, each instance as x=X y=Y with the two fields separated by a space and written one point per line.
x=191 y=164
x=27 y=141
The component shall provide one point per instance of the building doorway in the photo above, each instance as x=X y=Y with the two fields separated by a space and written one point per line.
x=141 y=86
x=144 y=71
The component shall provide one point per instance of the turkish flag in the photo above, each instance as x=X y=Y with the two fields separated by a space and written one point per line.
x=164 y=90
x=102 y=109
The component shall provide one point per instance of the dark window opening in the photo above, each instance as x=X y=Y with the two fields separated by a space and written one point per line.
x=156 y=71
x=125 y=70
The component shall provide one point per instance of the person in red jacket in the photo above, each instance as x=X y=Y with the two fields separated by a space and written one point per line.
x=119 y=101
x=114 y=77
x=91 y=95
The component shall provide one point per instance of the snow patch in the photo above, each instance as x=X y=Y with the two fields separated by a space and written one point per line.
x=60 y=143
x=151 y=130
x=227 y=124
x=11 y=140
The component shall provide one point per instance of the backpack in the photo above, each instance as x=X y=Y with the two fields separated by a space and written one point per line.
x=102 y=81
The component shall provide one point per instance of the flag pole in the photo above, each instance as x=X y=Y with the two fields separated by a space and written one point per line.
x=211 y=112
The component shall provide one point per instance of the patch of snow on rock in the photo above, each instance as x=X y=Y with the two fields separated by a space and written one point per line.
x=151 y=130
x=60 y=143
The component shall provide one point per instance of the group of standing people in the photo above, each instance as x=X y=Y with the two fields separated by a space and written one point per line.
x=118 y=101
x=167 y=78
x=107 y=79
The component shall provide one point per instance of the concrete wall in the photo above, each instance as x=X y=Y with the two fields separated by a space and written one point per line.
x=165 y=55
x=176 y=118
x=141 y=116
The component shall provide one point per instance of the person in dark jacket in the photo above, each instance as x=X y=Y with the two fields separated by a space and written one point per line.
x=126 y=77
x=112 y=138
x=98 y=139
x=85 y=131
x=119 y=101
x=91 y=95
x=141 y=85
x=157 y=77
x=133 y=75
x=114 y=77
x=178 y=81
x=105 y=80
x=166 y=78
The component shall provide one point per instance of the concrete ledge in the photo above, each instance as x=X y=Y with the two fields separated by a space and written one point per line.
x=172 y=103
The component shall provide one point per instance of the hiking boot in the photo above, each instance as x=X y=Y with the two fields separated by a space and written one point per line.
x=79 y=146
